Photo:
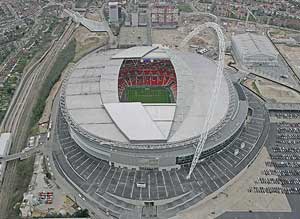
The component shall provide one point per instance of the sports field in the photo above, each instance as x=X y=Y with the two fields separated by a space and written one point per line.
x=148 y=95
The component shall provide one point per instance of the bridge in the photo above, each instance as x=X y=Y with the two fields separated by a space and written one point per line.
x=93 y=26
x=21 y=155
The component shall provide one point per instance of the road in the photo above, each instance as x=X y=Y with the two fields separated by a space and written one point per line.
x=17 y=119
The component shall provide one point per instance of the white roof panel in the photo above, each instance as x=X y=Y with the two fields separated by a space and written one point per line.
x=250 y=44
x=84 y=101
x=106 y=130
x=90 y=116
x=157 y=54
x=134 y=121
x=161 y=112
x=164 y=126
x=134 y=52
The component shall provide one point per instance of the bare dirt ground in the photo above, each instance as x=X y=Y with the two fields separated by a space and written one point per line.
x=292 y=55
x=62 y=203
x=271 y=91
x=87 y=41
x=96 y=16
x=277 y=93
x=228 y=59
x=237 y=198
x=47 y=110
x=173 y=37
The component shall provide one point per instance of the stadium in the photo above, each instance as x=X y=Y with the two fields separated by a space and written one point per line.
x=130 y=120
x=142 y=103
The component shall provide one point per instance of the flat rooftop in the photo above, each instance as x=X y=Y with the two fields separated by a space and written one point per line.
x=136 y=122
x=250 y=44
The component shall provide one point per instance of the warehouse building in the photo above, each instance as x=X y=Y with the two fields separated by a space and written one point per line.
x=254 y=50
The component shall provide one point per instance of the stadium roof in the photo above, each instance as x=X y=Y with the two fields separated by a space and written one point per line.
x=134 y=52
x=250 y=44
x=91 y=98
x=135 y=122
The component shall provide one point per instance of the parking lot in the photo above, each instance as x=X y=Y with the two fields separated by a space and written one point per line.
x=282 y=174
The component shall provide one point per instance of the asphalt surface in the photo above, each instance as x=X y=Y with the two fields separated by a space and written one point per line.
x=293 y=199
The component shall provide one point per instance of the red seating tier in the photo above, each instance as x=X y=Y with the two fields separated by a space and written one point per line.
x=151 y=73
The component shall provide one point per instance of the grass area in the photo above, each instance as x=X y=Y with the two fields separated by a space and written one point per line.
x=64 y=58
x=184 y=7
x=148 y=95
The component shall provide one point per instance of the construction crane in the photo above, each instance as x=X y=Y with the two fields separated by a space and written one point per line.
x=216 y=88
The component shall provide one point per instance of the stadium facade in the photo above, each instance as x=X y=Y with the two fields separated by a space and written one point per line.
x=144 y=135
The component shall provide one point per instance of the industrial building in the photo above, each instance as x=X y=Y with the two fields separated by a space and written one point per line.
x=254 y=50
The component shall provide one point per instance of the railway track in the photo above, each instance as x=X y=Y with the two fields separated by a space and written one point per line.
x=17 y=119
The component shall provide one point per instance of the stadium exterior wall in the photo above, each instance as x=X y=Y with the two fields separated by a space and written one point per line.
x=161 y=158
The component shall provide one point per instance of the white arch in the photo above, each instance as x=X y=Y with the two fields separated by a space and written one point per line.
x=217 y=84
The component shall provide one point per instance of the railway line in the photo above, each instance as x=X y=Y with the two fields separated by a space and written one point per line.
x=17 y=119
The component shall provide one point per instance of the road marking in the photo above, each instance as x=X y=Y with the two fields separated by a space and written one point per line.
x=79 y=152
x=82 y=172
x=168 y=172
x=226 y=168
x=133 y=185
x=179 y=181
x=167 y=193
x=82 y=163
x=78 y=159
x=71 y=151
x=93 y=182
x=125 y=184
x=246 y=141
x=118 y=180
x=109 y=184
x=156 y=184
x=218 y=168
x=149 y=185
x=226 y=161
x=94 y=170
x=213 y=176
x=230 y=155
x=204 y=180
x=103 y=179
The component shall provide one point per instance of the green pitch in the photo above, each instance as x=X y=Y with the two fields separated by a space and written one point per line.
x=148 y=95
